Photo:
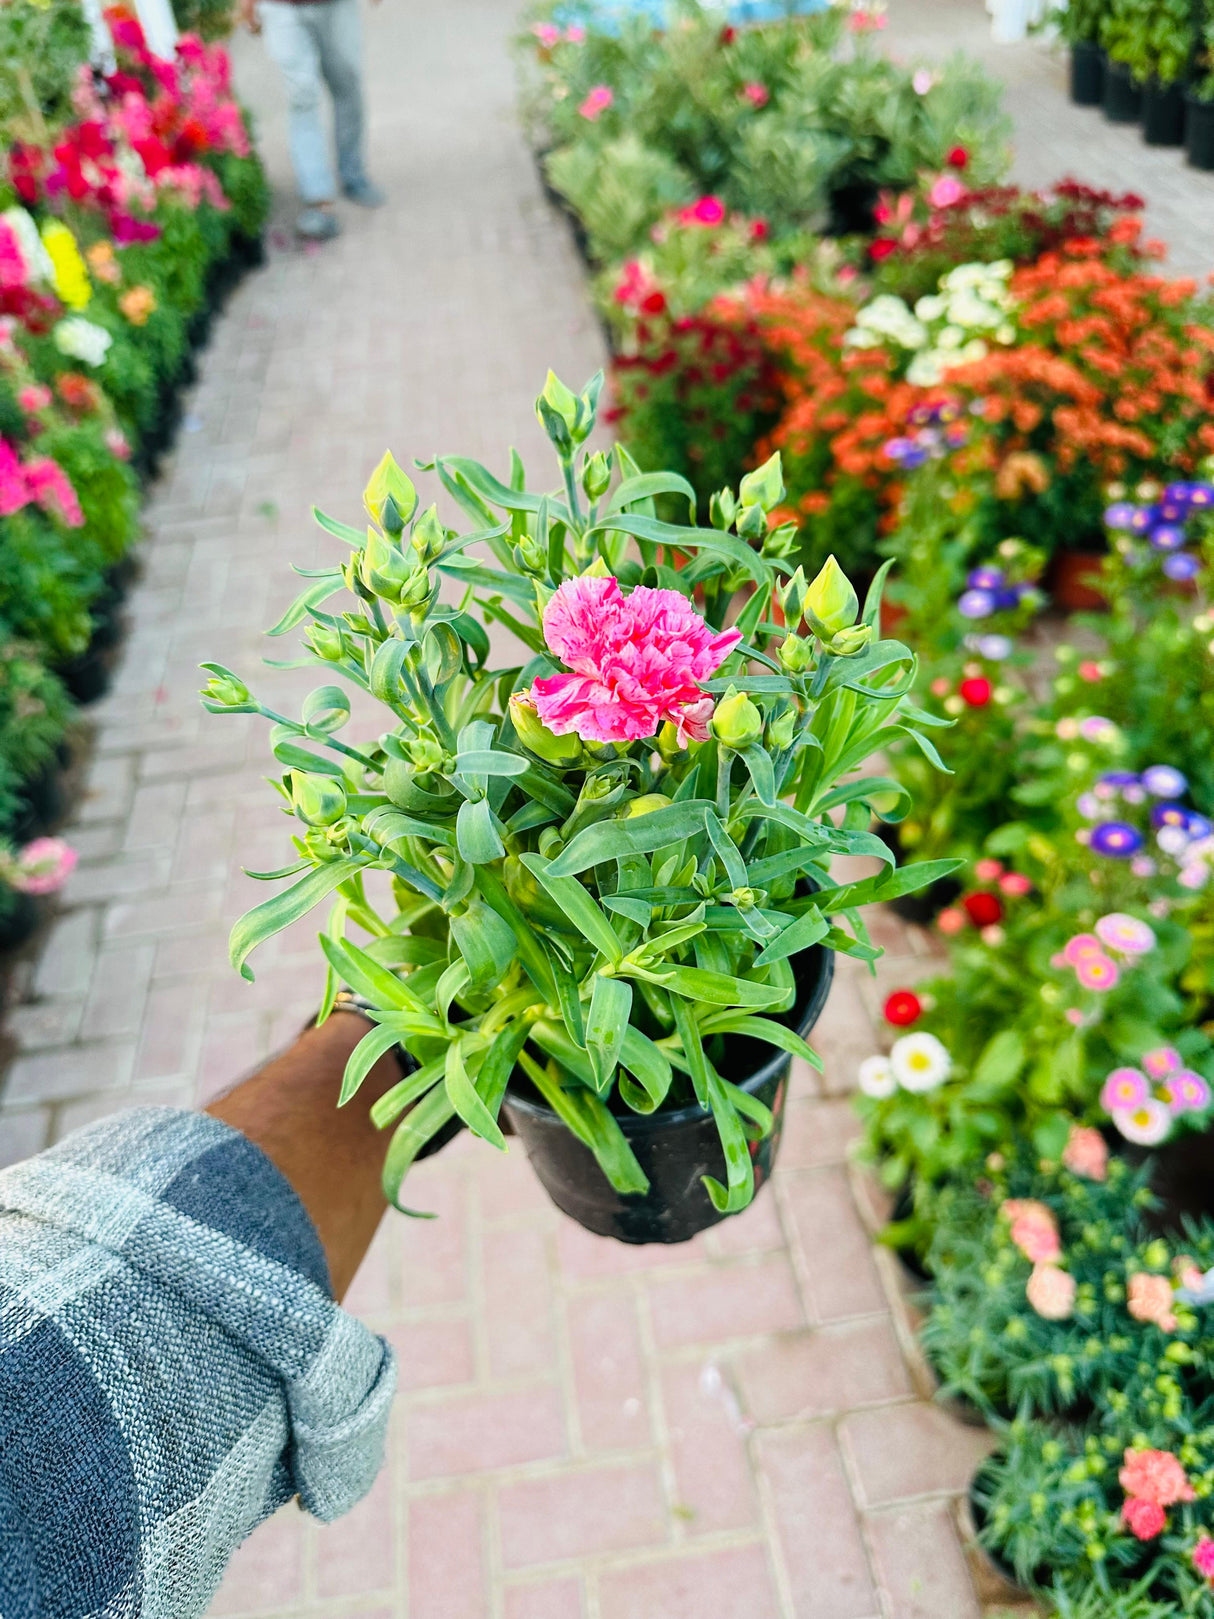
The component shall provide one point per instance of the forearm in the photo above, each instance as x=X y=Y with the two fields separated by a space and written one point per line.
x=333 y=1157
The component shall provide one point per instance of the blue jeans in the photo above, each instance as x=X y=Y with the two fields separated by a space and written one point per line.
x=320 y=39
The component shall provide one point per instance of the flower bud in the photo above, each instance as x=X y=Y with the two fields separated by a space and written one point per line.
x=327 y=843
x=390 y=497
x=596 y=475
x=752 y=523
x=382 y=568
x=737 y=723
x=791 y=597
x=781 y=730
x=796 y=654
x=764 y=486
x=225 y=690
x=529 y=556
x=318 y=800
x=722 y=509
x=781 y=542
x=557 y=409
x=426 y=753
x=429 y=537
x=563 y=751
x=645 y=805
x=326 y=642
x=848 y=642
x=831 y=604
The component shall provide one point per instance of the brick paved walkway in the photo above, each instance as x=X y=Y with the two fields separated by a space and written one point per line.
x=727 y=1429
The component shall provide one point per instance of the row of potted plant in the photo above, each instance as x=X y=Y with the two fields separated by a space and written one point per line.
x=129 y=200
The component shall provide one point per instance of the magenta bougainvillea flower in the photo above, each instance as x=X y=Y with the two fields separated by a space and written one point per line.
x=636 y=662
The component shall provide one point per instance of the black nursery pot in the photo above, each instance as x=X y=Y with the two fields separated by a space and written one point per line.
x=1163 y=114
x=17 y=921
x=1199 y=133
x=852 y=208
x=675 y=1148
x=1122 y=94
x=1087 y=73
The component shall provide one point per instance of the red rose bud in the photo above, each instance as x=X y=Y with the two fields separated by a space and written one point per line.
x=881 y=247
x=983 y=908
x=902 y=1008
x=957 y=158
x=976 y=691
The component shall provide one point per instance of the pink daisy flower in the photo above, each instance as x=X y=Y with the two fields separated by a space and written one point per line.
x=597 y=102
x=1186 y=1092
x=1125 y=934
x=1097 y=972
x=1124 y=1088
x=636 y=662
x=1083 y=944
x=1162 y=1061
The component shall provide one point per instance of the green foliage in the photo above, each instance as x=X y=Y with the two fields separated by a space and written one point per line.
x=43 y=44
x=603 y=914
x=1080 y=21
x=1155 y=39
x=34 y=712
x=212 y=19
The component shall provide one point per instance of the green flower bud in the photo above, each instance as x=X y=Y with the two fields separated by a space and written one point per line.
x=426 y=752
x=318 y=800
x=846 y=643
x=722 y=509
x=781 y=541
x=796 y=654
x=382 y=568
x=645 y=805
x=781 y=730
x=558 y=412
x=328 y=643
x=390 y=497
x=596 y=475
x=328 y=843
x=831 y=604
x=736 y=723
x=764 y=486
x=563 y=751
x=791 y=597
x=752 y=523
x=530 y=556
x=224 y=690
x=429 y=536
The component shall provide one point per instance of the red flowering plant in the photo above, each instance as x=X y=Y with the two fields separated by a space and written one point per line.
x=608 y=855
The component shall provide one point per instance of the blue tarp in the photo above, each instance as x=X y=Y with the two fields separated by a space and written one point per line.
x=738 y=11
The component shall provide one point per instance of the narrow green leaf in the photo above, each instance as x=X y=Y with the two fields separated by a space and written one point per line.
x=342 y=531
x=739 y=1166
x=463 y=1096
x=362 y=1060
x=272 y=915
x=366 y=977
x=485 y=942
x=717 y=989
x=319 y=590
x=698 y=1065
x=609 y=840
x=578 y=905
x=810 y=927
x=761 y=1028
x=412 y=1133
x=606 y=1026
x=475 y=834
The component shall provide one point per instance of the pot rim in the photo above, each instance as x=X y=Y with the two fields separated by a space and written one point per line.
x=822 y=965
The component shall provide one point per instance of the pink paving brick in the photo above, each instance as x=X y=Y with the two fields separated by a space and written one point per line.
x=912 y=1450
x=479 y=1432
x=266 y=1574
x=432 y=1252
x=169 y=1037
x=817 y=1133
x=357 y=1555
x=608 y=1371
x=580 y=1513
x=817 y=1526
x=708 y=1437
x=833 y=1246
x=433 y=1354
x=516 y=1284
x=737 y=1300
x=756 y=1230
x=507 y=1185
x=545 y=1599
x=371 y=1292
x=822 y=1370
x=448 y=1574
x=735 y=1583
x=585 y=1257
x=920 y=1564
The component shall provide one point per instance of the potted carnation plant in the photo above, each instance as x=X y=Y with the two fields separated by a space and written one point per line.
x=610 y=858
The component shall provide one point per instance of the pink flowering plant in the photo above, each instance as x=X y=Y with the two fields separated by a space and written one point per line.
x=609 y=852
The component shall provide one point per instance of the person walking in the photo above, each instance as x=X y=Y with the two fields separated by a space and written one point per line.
x=314 y=41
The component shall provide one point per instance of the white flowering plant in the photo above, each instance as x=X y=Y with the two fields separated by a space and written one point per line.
x=972 y=310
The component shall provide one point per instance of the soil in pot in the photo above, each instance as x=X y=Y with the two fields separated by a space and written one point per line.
x=1072 y=580
x=1122 y=94
x=923 y=906
x=1163 y=114
x=1199 y=133
x=676 y=1147
x=1087 y=74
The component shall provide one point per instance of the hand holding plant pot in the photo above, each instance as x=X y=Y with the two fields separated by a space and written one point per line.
x=610 y=862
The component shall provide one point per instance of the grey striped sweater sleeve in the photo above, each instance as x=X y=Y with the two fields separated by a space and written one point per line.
x=172 y=1368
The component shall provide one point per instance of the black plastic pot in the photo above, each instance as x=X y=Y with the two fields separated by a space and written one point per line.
x=1087 y=73
x=18 y=919
x=852 y=208
x=1199 y=133
x=1163 y=114
x=676 y=1148
x=43 y=805
x=1122 y=94
x=87 y=677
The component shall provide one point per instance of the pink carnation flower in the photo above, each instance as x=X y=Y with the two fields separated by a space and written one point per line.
x=706 y=211
x=1015 y=883
x=951 y=920
x=1155 y=1475
x=43 y=866
x=1086 y=1153
x=1150 y=1299
x=946 y=191
x=1034 y=1230
x=547 y=33
x=36 y=396
x=1143 y=1518
x=636 y=662
x=597 y=102
x=1203 y=1557
x=757 y=94
x=1051 y=1292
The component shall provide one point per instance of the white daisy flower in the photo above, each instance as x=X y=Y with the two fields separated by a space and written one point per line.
x=1147 y=1124
x=920 y=1062
x=875 y=1076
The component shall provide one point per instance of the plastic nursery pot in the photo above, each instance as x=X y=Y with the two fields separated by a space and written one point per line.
x=852 y=209
x=1087 y=73
x=1072 y=580
x=1182 y=1176
x=43 y=804
x=18 y=919
x=1163 y=114
x=676 y=1148
x=1122 y=94
x=1199 y=133
x=87 y=677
